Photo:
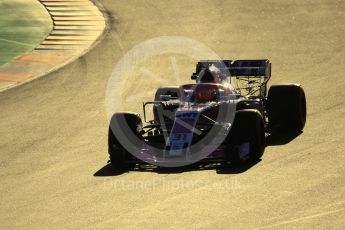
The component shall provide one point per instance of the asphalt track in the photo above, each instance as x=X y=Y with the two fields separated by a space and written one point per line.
x=53 y=130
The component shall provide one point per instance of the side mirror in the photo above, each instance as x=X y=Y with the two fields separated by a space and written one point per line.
x=194 y=76
x=165 y=97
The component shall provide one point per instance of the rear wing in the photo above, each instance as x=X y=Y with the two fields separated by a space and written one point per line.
x=238 y=68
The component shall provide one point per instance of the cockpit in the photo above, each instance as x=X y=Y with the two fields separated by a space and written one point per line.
x=204 y=92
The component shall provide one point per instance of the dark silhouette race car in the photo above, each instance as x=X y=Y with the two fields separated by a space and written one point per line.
x=224 y=117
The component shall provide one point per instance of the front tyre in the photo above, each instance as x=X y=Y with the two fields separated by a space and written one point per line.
x=118 y=154
x=246 y=140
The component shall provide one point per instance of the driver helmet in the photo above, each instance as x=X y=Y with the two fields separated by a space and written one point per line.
x=211 y=74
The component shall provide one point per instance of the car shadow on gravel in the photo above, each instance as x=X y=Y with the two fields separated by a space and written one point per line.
x=232 y=169
x=108 y=170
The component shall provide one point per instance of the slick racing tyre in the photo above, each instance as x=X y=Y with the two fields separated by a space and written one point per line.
x=246 y=139
x=118 y=154
x=286 y=107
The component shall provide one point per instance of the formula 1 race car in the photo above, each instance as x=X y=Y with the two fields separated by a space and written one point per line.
x=224 y=117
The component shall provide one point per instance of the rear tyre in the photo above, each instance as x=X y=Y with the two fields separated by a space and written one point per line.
x=247 y=131
x=118 y=154
x=286 y=107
